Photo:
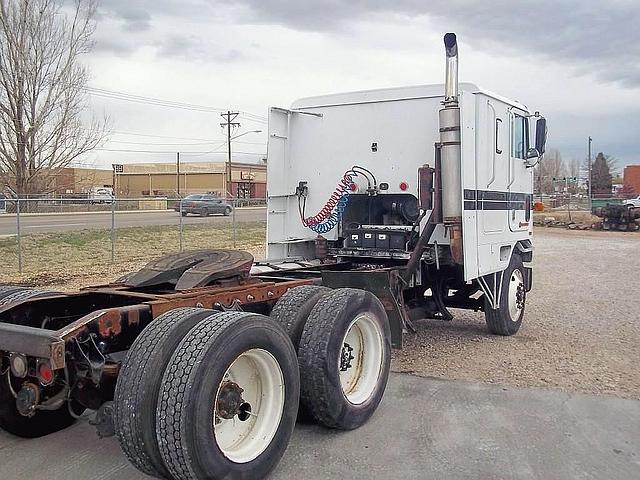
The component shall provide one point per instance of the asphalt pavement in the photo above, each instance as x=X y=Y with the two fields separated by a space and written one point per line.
x=424 y=429
x=66 y=222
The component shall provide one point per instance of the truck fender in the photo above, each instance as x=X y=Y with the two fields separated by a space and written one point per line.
x=524 y=248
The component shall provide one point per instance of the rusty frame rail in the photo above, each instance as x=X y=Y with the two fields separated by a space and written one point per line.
x=115 y=329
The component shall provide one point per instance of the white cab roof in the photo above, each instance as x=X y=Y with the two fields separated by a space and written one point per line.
x=392 y=94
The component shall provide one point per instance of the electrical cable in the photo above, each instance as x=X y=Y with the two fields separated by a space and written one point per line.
x=366 y=171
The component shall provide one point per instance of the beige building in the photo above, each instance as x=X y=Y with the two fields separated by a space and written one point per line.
x=249 y=180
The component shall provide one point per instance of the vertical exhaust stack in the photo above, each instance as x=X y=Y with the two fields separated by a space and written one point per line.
x=451 y=154
x=451 y=76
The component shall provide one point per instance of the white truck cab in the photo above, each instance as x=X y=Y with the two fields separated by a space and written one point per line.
x=433 y=180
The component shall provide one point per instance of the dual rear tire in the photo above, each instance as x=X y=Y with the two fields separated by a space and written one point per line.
x=205 y=394
x=212 y=395
x=344 y=352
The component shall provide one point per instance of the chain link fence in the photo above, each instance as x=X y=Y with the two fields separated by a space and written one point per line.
x=49 y=236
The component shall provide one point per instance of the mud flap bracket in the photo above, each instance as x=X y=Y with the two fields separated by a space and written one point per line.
x=386 y=284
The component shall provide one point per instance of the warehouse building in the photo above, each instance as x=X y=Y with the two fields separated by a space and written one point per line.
x=248 y=180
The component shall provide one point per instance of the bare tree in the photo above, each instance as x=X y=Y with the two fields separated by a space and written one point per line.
x=43 y=103
x=573 y=167
x=551 y=167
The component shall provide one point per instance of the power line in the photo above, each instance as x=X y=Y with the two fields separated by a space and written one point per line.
x=172 y=152
x=162 y=144
x=128 y=97
x=137 y=134
x=203 y=140
x=181 y=144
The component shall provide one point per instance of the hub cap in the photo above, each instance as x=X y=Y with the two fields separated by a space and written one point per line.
x=361 y=359
x=516 y=295
x=249 y=405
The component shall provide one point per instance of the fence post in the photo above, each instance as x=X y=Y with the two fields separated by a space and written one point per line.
x=233 y=221
x=181 y=221
x=19 y=237
x=113 y=230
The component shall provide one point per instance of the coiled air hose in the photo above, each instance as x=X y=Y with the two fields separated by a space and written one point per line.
x=330 y=214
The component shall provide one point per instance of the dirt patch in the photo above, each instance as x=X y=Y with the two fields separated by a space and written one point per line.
x=581 y=330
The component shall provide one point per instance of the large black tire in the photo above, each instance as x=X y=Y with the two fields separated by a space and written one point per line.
x=136 y=395
x=502 y=321
x=293 y=308
x=321 y=353
x=227 y=211
x=187 y=407
x=6 y=290
x=42 y=423
x=22 y=294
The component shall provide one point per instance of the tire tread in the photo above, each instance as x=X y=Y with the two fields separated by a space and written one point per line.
x=129 y=396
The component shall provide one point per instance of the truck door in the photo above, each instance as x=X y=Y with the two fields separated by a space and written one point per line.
x=519 y=186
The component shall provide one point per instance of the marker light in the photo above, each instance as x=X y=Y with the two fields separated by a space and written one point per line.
x=404 y=186
x=19 y=366
x=45 y=373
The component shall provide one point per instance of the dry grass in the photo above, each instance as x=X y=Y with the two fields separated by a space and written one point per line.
x=69 y=260
x=563 y=216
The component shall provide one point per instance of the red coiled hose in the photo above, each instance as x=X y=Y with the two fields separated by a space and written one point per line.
x=344 y=187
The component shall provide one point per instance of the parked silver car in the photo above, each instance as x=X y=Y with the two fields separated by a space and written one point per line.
x=203 y=205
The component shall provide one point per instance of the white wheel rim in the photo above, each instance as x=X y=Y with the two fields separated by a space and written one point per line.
x=516 y=295
x=361 y=359
x=248 y=434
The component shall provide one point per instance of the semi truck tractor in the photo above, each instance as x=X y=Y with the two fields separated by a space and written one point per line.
x=384 y=207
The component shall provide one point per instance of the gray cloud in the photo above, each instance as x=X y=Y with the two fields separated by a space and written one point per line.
x=141 y=17
x=192 y=47
x=595 y=37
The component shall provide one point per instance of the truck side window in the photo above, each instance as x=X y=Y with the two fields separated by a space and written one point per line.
x=518 y=137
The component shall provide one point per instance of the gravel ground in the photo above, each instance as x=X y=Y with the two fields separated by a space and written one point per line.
x=581 y=330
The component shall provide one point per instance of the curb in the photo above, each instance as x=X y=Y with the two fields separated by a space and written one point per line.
x=102 y=212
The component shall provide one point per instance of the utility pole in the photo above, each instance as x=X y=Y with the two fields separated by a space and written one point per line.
x=229 y=124
x=590 y=201
x=178 y=173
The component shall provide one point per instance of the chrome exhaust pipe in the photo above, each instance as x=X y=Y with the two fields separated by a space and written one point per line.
x=451 y=78
x=451 y=154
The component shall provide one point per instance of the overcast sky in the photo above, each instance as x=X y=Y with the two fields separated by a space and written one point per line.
x=577 y=61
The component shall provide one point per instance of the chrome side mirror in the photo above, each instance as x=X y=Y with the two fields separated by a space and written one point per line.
x=533 y=157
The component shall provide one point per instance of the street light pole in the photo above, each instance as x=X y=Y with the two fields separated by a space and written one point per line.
x=590 y=201
x=178 y=173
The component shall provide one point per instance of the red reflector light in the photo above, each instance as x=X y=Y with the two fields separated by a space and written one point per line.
x=354 y=187
x=45 y=373
x=404 y=186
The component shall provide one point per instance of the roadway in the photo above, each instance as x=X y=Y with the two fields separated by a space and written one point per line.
x=66 y=222
x=424 y=428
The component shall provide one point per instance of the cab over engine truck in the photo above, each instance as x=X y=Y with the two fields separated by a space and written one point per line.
x=384 y=207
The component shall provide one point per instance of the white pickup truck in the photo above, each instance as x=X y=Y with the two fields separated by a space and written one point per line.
x=633 y=202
